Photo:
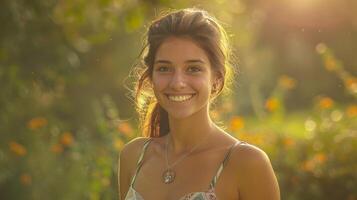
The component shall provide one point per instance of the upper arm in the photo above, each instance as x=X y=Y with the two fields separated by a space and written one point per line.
x=255 y=175
x=127 y=164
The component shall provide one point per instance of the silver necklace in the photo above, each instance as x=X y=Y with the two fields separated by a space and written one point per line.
x=168 y=176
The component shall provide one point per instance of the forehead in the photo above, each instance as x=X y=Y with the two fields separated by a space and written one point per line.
x=179 y=49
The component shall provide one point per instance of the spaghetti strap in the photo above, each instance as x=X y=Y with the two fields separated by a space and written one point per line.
x=140 y=161
x=223 y=164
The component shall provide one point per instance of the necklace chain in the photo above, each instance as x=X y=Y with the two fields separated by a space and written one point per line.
x=169 y=174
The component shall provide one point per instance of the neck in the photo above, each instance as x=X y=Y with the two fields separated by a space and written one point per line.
x=188 y=132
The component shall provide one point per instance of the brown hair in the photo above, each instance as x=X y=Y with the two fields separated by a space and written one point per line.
x=201 y=28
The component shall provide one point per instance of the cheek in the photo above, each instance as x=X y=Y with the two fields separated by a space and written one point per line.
x=159 y=82
x=202 y=84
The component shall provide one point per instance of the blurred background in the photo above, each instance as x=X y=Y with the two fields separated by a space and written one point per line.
x=65 y=111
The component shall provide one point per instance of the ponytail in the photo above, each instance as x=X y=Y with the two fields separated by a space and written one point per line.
x=156 y=121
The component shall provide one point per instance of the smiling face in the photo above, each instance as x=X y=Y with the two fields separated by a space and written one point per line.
x=182 y=77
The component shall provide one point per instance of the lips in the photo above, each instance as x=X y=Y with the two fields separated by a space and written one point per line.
x=180 y=97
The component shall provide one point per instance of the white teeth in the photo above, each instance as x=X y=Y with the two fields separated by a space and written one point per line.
x=180 y=98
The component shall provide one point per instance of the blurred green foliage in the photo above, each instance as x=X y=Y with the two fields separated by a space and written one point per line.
x=65 y=112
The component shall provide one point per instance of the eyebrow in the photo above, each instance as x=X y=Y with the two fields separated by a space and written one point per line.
x=187 y=61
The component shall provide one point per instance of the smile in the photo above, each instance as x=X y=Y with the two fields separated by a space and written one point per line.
x=180 y=98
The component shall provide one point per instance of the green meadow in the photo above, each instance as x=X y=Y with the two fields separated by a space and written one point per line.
x=66 y=106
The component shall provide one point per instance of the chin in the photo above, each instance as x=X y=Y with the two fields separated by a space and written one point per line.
x=179 y=114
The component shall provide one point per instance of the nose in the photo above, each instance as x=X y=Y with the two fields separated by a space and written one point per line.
x=178 y=81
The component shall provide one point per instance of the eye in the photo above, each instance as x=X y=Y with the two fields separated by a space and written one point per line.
x=162 y=69
x=194 y=69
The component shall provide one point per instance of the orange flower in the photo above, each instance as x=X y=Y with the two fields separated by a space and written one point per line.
x=67 y=139
x=351 y=111
x=320 y=158
x=57 y=148
x=272 y=104
x=237 y=123
x=351 y=81
x=36 y=123
x=286 y=82
x=325 y=103
x=351 y=84
x=17 y=148
x=125 y=128
x=288 y=142
x=311 y=164
x=118 y=144
x=308 y=166
x=25 y=179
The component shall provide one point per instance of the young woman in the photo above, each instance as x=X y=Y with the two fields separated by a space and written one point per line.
x=185 y=155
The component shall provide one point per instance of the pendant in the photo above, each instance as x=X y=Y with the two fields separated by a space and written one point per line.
x=168 y=176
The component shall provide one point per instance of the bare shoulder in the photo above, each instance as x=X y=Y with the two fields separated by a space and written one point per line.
x=131 y=150
x=248 y=156
x=134 y=144
x=127 y=163
x=254 y=173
